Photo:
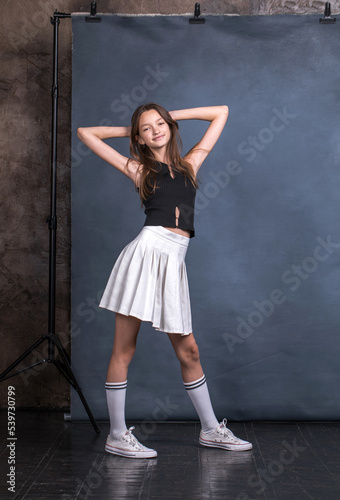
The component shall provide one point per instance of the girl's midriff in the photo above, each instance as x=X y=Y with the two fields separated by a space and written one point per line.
x=177 y=230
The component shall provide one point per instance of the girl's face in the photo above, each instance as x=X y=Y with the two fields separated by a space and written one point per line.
x=153 y=130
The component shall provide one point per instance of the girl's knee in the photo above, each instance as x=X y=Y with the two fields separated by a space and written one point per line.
x=124 y=355
x=189 y=353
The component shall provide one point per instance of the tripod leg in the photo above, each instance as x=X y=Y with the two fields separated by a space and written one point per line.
x=63 y=369
x=72 y=379
x=17 y=372
x=21 y=358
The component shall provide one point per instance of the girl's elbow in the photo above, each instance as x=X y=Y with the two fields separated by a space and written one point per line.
x=80 y=132
x=83 y=133
x=225 y=109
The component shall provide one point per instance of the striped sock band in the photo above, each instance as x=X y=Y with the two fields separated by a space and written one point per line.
x=199 y=395
x=194 y=385
x=115 y=385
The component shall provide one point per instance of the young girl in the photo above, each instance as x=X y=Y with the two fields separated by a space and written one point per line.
x=149 y=280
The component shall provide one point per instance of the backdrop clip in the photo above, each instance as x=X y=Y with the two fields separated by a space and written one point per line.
x=327 y=19
x=197 y=19
x=93 y=18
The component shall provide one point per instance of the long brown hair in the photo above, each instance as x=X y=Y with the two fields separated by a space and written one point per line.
x=144 y=155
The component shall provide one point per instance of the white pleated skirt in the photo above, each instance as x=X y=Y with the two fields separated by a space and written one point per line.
x=149 y=281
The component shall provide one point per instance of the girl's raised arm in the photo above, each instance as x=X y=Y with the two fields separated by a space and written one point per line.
x=94 y=137
x=218 y=116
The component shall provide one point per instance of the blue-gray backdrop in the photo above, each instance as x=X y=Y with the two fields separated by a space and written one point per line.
x=264 y=267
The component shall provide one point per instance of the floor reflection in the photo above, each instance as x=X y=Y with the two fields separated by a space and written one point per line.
x=220 y=470
x=211 y=474
x=125 y=478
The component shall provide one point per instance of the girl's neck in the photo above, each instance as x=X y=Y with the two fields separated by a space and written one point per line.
x=162 y=159
x=161 y=155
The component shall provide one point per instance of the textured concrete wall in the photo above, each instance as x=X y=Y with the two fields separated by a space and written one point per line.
x=25 y=106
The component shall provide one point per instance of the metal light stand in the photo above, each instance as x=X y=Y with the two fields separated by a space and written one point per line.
x=51 y=337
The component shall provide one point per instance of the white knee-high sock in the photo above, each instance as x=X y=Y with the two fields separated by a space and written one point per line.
x=115 y=395
x=199 y=395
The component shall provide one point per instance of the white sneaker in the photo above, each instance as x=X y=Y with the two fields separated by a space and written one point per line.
x=127 y=445
x=222 y=437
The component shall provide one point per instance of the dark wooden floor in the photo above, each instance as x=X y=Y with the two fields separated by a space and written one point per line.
x=64 y=460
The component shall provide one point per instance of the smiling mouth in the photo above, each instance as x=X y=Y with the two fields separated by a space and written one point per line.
x=158 y=137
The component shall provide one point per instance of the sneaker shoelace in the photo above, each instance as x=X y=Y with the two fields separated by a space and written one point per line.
x=131 y=439
x=223 y=429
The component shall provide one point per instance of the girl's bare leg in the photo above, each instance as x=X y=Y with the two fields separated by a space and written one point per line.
x=124 y=347
x=188 y=355
x=193 y=378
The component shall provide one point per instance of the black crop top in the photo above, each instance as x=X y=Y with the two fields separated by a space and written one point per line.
x=171 y=192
